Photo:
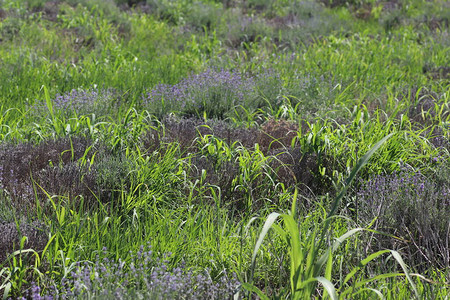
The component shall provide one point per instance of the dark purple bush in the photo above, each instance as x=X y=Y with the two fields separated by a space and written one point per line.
x=28 y=170
x=287 y=165
x=11 y=234
x=185 y=131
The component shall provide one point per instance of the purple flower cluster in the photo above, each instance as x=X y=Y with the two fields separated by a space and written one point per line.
x=213 y=92
x=246 y=21
x=413 y=207
x=75 y=99
x=144 y=277
x=244 y=29
x=13 y=187
x=81 y=102
x=218 y=93
x=415 y=187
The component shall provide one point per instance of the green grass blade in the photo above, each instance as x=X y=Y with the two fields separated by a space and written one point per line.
x=377 y=292
x=329 y=287
x=345 y=236
x=295 y=252
x=361 y=283
x=270 y=220
x=48 y=101
x=361 y=163
x=7 y=288
x=335 y=245
x=294 y=202
x=254 y=289
x=363 y=263
x=402 y=264
x=329 y=265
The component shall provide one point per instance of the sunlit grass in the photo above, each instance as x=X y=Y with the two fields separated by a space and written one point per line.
x=261 y=107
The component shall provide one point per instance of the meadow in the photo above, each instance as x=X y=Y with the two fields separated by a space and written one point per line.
x=205 y=149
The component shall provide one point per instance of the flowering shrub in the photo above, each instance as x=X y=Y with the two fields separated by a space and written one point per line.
x=82 y=102
x=51 y=164
x=144 y=277
x=412 y=207
x=212 y=92
x=12 y=233
x=220 y=93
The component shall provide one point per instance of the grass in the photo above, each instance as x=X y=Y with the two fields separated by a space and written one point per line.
x=146 y=148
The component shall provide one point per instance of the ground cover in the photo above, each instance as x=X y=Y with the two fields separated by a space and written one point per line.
x=263 y=149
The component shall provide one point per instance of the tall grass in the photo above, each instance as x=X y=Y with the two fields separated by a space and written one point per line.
x=185 y=124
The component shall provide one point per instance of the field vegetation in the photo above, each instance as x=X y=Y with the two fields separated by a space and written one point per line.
x=235 y=149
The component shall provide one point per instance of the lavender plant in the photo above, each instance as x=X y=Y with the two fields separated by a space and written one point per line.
x=12 y=233
x=77 y=102
x=412 y=207
x=142 y=277
x=212 y=92
x=28 y=170
x=241 y=29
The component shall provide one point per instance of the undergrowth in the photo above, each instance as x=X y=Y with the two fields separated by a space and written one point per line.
x=146 y=147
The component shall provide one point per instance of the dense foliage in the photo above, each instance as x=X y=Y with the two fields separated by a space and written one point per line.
x=203 y=149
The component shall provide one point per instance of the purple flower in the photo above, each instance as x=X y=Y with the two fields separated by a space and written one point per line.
x=148 y=277
x=81 y=102
x=213 y=92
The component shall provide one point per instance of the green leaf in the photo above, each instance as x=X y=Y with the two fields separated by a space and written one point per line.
x=361 y=283
x=294 y=202
x=329 y=266
x=270 y=220
x=7 y=288
x=48 y=101
x=402 y=264
x=363 y=263
x=329 y=287
x=252 y=288
x=377 y=292
x=335 y=245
